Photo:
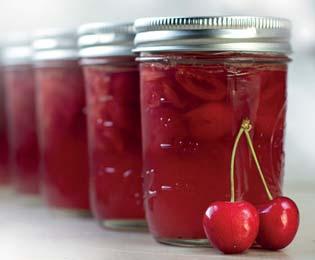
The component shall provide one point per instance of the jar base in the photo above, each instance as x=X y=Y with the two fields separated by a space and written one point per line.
x=29 y=200
x=63 y=212
x=6 y=190
x=125 y=224
x=182 y=242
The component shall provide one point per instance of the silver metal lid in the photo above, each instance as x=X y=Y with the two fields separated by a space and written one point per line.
x=215 y=33
x=55 y=44
x=106 y=39
x=16 y=49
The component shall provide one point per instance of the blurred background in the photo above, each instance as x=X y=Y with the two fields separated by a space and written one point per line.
x=17 y=15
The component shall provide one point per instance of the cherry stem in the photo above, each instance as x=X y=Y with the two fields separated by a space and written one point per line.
x=251 y=147
x=245 y=128
x=237 y=139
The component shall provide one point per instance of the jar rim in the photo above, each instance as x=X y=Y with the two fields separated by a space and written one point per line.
x=213 y=33
x=16 y=49
x=213 y=58
x=54 y=44
x=106 y=39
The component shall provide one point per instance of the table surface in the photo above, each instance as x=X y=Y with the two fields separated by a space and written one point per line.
x=30 y=231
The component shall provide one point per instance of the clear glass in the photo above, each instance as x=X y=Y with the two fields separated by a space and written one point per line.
x=4 y=144
x=192 y=107
x=62 y=130
x=20 y=103
x=114 y=132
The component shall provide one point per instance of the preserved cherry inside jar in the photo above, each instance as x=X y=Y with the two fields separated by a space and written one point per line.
x=114 y=130
x=62 y=122
x=197 y=85
x=4 y=144
x=20 y=105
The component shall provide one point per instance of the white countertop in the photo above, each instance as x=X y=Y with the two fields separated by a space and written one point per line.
x=31 y=232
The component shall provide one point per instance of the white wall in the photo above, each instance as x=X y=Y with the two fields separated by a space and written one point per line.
x=21 y=15
x=31 y=14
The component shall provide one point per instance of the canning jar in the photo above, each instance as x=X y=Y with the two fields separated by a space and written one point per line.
x=20 y=104
x=62 y=121
x=200 y=77
x=114 y=131
x=4 y=144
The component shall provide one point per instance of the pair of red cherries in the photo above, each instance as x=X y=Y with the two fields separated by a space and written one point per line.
x=234 y=226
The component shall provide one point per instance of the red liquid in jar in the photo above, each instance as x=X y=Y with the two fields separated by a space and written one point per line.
x=4 y=145
x=191 y=114
x=114 y=141
x=63 y=140
x=20 y=102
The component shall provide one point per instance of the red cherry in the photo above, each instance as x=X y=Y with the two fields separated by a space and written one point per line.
x=231 y=227
x=279 y=221
x=203 y=82
x=210 y=121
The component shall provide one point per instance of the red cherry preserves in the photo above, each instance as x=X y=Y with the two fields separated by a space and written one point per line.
x=4 y=144
x=20 y=100
x=115 y=141
x=114 y=130
x=62 y=122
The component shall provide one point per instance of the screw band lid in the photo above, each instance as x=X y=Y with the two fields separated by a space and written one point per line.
x=214 y=33
x=106 y=39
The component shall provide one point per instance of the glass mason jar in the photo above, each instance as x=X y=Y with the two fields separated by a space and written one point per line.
x=62 y=121
x=20 y=105
x=114 y=131
x=4 y=144
x=199 y=78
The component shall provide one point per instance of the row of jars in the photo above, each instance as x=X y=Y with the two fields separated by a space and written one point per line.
x=75 y=104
